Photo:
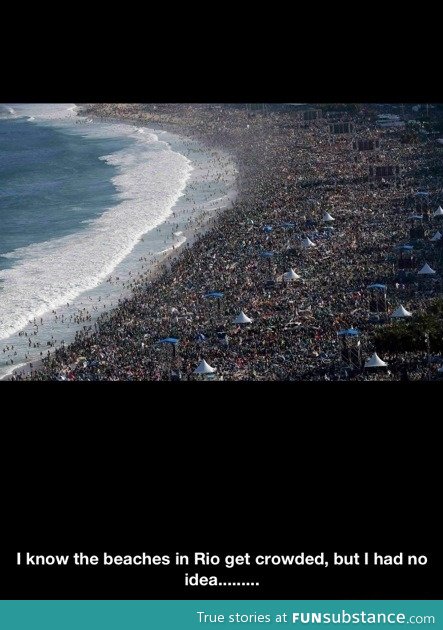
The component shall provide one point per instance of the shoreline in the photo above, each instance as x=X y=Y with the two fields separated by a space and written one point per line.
x=163 y=259
x=290 y=173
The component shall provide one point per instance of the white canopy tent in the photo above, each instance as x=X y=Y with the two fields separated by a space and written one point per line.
x=426 y=271
x=401 y=312
x=204 y=368
x=374 y=362
x=242 y=319
x=306 y=243
x=437 y=236
x=328 y=218
x=438 y=212
x=290 y=275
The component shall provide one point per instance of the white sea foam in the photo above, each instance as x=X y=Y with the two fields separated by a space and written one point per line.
x=7 y=371
x=151 y=178
x=42 y=111
x=176 y=245
x=7 y=112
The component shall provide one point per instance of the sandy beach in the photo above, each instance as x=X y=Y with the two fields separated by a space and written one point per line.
x=299 y=278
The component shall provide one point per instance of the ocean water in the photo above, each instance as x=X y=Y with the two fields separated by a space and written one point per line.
x=85 y=206
x=51 y=183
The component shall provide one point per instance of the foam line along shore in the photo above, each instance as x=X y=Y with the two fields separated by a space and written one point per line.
x=58 y=286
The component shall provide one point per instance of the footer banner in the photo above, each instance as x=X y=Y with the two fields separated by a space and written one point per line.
x=206 y=615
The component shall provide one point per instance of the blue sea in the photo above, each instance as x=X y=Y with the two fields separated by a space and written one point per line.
x=51 y=182
x=84 y=206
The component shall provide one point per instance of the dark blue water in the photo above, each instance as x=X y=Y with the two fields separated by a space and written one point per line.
x=50 y=181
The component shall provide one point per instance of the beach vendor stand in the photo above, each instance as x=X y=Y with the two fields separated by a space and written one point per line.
x=406 y=258
x=205 y=370
x=242 y=319
x=401 y=313
x=291 y=276
x=173 y=342
x=217 y=295
x=269 y=256
x=375 y=362
x=377 y=299
x=350 y=347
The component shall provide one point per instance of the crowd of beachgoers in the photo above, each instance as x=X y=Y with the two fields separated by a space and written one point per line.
x=264 y=291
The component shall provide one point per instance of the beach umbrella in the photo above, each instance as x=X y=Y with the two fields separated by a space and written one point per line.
x=327 y=217
x=204 y=368
x=242 y=319
x=401 y=312
x=267 y=228
x=438 y=212
x=436 y=237
x=375 y=362
x=426 y=271
x=291 y=275
x=307 y=243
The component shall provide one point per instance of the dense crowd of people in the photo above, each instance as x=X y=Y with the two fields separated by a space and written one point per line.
x=292 y=171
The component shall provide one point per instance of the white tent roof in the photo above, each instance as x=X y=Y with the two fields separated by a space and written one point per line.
x=306 y=242
x=204 y=368
x=438 y=212
x=374 y=361
x=327 y=217
x=242 y=319
x=426 y=270
x=401 y=312
x=437 y=236
x=291 y=275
